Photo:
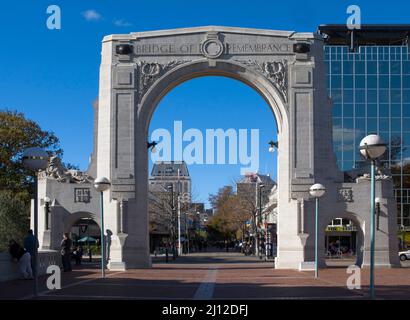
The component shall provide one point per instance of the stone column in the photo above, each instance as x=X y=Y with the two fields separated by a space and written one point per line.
x=386 y=243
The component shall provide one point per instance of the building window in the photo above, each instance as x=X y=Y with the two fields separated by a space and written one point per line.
x=82 y=195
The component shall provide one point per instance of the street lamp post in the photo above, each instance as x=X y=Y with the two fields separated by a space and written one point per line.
x=179 y=224
x=317 y=191
x=35 y=159
x=179 y=214
x=372 y=147
x=102 y=184
x=171 y=189
x=260 y=217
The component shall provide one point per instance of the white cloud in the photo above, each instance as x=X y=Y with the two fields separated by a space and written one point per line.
x=347 y=135
x=122 y=23
x=91 y=15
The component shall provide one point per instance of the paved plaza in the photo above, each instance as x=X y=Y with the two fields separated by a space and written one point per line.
x=214 y=275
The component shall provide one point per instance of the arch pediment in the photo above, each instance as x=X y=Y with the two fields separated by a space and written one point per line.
x=154 y=53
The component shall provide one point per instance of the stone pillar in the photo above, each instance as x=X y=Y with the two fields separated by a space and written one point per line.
x=386 y=243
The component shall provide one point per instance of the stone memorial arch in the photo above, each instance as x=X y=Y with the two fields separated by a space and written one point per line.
x=287 y=69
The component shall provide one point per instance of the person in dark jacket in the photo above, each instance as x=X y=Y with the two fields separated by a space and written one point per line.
x=23 y=258
x=66 y=252
x=31 y=245
x=78 y=255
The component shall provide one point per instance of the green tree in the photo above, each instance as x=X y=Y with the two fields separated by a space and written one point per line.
x=17 y=134
x=228 y=216
x=14 y=218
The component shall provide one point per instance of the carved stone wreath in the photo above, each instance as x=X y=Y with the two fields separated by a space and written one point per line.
x=149 y=72
x=275 y=71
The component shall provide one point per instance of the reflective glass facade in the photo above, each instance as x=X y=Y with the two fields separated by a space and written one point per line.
x=370 y=90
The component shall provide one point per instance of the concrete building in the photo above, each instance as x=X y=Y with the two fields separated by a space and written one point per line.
x=368 y=79
x=169 y=173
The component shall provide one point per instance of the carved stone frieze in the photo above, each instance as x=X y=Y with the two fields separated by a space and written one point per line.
x=275 y=71
x=149 y=72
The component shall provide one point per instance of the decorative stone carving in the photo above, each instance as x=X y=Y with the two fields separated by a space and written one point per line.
x=57 y=171
x=151 y=71
x=212 y=48
x=345 y=195
x=275 y=71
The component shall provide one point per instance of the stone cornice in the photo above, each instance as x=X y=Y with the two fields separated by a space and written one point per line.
x=193 y=30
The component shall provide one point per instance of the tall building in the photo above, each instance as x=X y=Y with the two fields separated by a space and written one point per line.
x=249 y=186
x=368 y=78
x=167 y=173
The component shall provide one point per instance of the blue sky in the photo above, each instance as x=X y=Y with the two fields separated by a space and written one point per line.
x=52 y=76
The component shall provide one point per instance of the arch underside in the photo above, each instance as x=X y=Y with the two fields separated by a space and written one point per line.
x=185 y=72
x=70 y=220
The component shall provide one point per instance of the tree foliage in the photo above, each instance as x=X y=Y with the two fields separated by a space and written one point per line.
x=17 y=134
x=14 y=218
x=230 y=214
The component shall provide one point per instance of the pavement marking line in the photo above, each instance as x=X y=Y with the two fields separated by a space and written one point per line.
x=206 y=289
x=45 y=292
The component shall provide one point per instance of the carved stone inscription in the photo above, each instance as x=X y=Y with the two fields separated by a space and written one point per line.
x=197 y=48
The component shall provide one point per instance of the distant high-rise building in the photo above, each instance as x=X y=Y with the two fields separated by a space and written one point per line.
x=248 y=187
x=167 y=173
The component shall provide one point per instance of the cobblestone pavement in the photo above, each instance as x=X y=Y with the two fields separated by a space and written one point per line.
x=213 y=276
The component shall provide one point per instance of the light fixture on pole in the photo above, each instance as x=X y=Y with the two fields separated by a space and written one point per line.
x=317 y=191
x=273 y=146
x=372 y=147
x=152 y=146
x=377 y=201
x=102 y=184
x=47 y=202
x=35 y=159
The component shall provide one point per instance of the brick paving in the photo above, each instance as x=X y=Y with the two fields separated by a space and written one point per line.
x=216 y=275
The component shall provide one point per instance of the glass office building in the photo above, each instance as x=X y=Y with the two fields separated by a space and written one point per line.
x=368 y=78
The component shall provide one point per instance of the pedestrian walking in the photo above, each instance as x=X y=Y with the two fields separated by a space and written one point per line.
x=23 y=259
x=66 y=252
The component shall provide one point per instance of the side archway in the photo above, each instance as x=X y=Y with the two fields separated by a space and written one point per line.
x=71 y=219
x=336 y=242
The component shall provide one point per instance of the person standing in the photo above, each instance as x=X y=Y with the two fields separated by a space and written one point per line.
x=31 y=245
x=23 y=258
x=66 y=252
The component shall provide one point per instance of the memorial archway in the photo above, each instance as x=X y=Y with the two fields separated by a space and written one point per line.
x=286 y=68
